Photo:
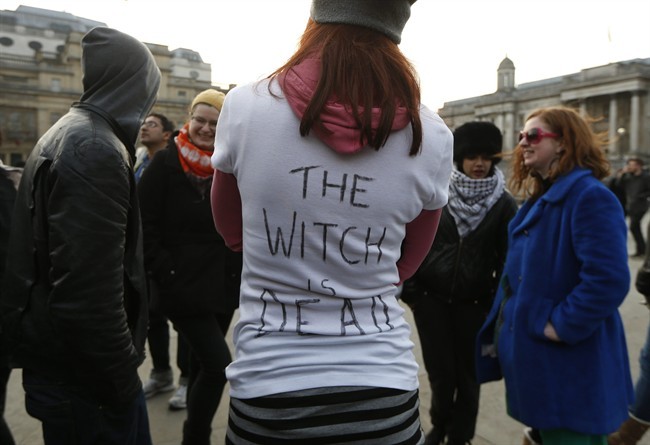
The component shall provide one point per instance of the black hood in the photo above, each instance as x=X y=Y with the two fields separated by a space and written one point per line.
x=120 y=77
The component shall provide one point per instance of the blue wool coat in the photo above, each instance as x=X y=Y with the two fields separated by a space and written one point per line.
x=567 y=263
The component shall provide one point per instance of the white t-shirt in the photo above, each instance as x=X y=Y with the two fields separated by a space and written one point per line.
x=322 y=233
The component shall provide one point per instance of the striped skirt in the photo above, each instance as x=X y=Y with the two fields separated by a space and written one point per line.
x=334 y=415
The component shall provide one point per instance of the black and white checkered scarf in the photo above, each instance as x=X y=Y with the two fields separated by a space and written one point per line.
x=471 y=199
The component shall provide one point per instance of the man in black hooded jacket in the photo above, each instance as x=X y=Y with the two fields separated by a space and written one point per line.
x=74 y=302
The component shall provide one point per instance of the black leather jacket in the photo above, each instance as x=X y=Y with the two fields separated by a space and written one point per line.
x=467 y=270
x=74 y=301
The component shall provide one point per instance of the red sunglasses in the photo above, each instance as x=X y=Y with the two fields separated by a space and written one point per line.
x=535 y=135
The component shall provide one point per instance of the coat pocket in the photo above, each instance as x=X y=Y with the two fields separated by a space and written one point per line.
x=538 y=317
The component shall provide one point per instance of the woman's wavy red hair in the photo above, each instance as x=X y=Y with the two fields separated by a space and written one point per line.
x=362 y=69
x=581 y=148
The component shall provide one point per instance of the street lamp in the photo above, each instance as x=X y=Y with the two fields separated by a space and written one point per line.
x=621 y=132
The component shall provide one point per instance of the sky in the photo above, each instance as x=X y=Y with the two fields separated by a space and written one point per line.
x=456 y=46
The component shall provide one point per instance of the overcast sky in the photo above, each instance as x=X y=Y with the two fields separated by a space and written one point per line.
x=456 y=45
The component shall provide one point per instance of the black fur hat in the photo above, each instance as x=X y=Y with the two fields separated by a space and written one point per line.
x=477 y=138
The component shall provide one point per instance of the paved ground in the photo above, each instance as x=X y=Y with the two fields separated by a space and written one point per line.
x=494 y=426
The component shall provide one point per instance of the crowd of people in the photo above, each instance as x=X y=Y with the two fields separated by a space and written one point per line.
x=319 y=204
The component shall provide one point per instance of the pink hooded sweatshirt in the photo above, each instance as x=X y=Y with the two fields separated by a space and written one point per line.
x=341 y=133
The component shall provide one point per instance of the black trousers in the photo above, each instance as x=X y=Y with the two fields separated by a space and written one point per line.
x=448 y=335
x=637 y=233
x=6 y=438
x=209 y=356
x=69 y=414
x=158 y=338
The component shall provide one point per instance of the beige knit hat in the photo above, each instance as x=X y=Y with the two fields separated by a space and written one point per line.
x=210 y=97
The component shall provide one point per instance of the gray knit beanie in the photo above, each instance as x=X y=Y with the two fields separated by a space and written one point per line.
x=385 y=16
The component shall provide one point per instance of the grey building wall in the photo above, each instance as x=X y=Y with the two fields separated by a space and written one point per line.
x=40 y=75
x=615 y=95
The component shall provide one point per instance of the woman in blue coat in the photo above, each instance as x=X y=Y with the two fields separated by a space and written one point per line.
x=554 y=332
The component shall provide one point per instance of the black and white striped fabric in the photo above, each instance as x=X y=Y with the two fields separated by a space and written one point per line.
x=335 y=415
x=471 y=199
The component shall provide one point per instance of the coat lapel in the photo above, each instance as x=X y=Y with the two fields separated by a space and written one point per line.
x=530 y=213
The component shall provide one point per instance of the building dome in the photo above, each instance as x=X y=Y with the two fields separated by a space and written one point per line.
x=506 y=75
x=506 y=64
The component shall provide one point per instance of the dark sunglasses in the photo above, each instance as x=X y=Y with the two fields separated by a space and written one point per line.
x=535 y=135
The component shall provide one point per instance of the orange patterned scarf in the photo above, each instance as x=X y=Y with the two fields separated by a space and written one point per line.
x=195 y=161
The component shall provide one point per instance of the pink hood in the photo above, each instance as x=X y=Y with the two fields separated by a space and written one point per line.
x=341 y=131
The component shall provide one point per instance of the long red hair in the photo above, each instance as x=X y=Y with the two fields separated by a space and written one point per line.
x=582 y=148
x=362 y=69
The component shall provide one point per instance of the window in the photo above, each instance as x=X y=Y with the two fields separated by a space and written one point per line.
x=36 y=46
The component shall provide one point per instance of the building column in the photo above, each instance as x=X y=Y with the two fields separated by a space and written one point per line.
x=613 y=124
x=500 y=122
x=509 y=131
x=635 y=116
x=583 y=107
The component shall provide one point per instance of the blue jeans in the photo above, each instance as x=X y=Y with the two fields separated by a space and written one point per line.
x=641 y=407
x=69 y=416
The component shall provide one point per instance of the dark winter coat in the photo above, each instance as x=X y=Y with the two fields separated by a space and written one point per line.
x=7 y=200
x=194 y=270
x=642 y=281
x=637 y=192
x=467 y=270
x=74 y=300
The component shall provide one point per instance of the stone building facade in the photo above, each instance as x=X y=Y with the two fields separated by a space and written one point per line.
x=616 y=95
x=40 y=75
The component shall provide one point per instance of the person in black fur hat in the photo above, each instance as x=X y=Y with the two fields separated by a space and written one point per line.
x=453 y=290
x=477 y=139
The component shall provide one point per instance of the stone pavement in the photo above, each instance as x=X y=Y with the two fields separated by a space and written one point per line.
x=494 y=426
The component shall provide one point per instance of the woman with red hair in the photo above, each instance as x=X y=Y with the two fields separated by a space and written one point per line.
x=554 y=333
x=330 y=176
